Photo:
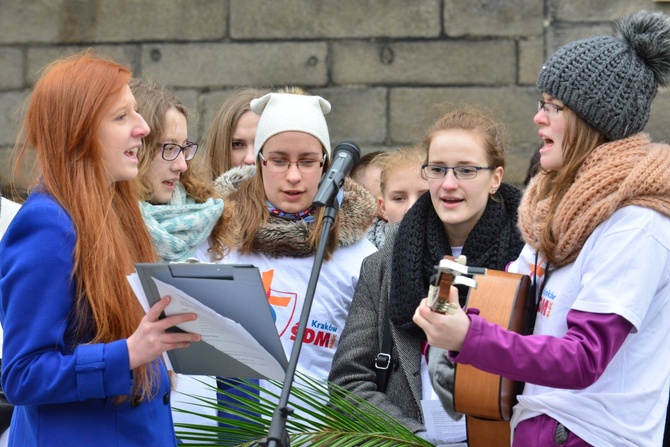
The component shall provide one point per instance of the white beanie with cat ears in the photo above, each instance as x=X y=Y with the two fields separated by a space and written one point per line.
x=284 y=112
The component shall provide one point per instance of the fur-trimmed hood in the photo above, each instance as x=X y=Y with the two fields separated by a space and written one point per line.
x=280 y=237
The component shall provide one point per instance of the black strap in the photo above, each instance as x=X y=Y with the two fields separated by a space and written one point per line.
x=535 y=295
x=384 y=359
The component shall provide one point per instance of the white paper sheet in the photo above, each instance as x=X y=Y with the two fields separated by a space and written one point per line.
x=222 y=333
x=440 y=427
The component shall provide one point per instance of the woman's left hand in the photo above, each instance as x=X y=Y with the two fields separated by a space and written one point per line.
x=446 y=331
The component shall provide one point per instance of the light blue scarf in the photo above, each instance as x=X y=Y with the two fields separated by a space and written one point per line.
x=180 y=226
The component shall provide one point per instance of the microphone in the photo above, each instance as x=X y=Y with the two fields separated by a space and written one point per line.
x=345 y=157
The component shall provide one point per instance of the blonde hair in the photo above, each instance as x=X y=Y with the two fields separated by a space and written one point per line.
x=292 y=90
x=401 y=158
x=359 y=171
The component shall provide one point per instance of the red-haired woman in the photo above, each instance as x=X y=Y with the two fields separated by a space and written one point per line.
x=80 y=356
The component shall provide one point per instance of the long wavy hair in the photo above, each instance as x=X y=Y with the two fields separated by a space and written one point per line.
x=579 y=142
x=218 y=140
x=64 y=113
x=153 y=103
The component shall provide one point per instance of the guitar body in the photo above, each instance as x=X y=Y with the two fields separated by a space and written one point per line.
x=487 y=433
x=487 y=399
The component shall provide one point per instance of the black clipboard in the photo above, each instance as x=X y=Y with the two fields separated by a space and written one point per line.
x=233 y=290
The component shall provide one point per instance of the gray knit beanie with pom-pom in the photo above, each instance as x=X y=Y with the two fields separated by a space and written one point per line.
x=610 y=81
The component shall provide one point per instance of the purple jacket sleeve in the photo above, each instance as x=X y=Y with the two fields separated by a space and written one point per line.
x=574 y=361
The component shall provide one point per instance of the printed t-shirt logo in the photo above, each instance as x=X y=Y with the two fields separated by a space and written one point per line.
x=282 y=304
x=284 y=311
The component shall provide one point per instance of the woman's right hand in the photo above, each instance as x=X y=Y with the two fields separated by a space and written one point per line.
x=150 y=339
x=446 y=331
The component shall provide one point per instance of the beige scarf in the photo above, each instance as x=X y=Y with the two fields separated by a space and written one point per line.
x=632 y=171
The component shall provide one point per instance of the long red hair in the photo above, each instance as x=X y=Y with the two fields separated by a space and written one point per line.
x=61 y=124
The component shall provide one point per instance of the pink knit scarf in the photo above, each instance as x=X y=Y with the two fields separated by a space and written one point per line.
x=632 y=171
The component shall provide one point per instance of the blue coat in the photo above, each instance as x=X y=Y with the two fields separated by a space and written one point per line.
x=64 y=390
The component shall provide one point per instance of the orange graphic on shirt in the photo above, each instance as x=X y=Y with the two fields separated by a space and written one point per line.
x=284 y=311
x=540 y=269
x=274 y=300
x=283 y=304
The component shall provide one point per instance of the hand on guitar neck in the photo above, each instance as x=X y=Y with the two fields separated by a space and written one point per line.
x=438 y=293
x=440 y=316
x=502 y=298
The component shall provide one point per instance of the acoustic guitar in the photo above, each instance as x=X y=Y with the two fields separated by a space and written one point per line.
x=487 y=399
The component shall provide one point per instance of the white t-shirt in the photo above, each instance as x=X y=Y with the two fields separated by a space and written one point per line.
x=185 y=396
x=286 y=281
x=623 y=268
x=8 y=210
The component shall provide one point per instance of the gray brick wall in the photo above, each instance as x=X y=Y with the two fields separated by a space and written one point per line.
x=387 y=66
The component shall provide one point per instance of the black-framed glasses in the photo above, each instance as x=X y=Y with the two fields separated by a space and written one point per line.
x=460 y=172
x=305 y=166
x=172 y=150
x=549 y=108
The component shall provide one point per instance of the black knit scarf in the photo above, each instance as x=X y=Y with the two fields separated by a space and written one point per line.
x=421 y=242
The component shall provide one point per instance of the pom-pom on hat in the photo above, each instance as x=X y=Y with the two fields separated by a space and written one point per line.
x=609 y=81
x=283 y=112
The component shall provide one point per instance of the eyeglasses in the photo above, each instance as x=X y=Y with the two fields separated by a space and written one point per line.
x=282 y=164
x=172 y=150
x=460 y=172
x=549 y=108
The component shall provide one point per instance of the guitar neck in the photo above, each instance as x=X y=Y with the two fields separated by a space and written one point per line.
x=439 y=291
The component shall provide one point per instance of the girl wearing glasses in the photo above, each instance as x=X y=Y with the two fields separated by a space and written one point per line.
x=596 y=221
x=467 y=210
x=80 y=357
x=276 y=227
x=182 y=211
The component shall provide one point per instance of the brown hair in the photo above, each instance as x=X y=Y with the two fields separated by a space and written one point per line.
x=251 y=213
x=367 y=160
x=580 y=140
x=153 y=103
x=61 y=125
x=218 y=140
x=478 y=122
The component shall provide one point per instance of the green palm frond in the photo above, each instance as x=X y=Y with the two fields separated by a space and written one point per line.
x=324 y=415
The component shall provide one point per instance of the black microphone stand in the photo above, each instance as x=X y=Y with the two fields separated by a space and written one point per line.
x=277 y=435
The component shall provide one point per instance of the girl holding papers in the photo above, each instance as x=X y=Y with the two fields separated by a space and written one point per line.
x=80 y=357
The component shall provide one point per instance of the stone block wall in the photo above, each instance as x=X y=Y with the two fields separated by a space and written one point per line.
x=387 y=66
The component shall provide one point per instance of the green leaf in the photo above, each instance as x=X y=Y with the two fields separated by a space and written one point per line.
x=324 y=415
